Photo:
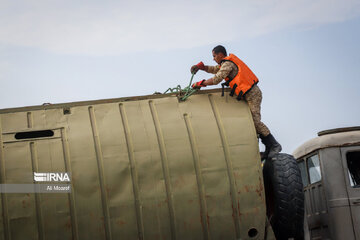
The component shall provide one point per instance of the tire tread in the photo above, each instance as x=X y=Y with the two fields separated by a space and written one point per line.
x=284 y=174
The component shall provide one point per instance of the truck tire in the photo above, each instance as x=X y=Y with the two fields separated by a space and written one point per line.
x=284 y=196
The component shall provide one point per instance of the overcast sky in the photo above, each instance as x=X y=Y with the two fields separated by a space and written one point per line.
x=305 y=53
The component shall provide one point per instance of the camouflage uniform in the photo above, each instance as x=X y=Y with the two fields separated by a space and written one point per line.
x=253 y=97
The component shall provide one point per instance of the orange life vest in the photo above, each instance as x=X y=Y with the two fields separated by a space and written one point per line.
x=244 y=80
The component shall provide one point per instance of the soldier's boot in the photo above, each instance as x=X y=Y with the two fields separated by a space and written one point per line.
x=272 y=147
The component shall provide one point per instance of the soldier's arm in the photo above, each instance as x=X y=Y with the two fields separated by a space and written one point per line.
x=221 y=74
x=212 y=69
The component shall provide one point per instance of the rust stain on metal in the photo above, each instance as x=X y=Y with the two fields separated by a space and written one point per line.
x=260 y=189
x=25 y=203
x=108 y=189
x=102 y=225
x=201 y=220
x=68 y=224
x=234 y=212
x=240 y=214
x=180 y=182
x=120 y=222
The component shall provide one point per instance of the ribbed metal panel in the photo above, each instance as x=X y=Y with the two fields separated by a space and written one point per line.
x=148 y=168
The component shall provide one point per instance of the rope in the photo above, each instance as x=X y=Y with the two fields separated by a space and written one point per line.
x=186 y=92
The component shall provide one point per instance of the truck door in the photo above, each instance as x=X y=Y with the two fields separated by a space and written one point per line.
x=41 y=214
x=351 y=163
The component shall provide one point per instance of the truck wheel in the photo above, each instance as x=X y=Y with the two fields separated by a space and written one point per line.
x=284 y=196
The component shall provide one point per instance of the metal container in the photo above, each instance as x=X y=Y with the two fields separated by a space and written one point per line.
x=149 y=167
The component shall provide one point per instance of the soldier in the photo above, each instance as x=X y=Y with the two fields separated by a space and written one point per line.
x=243 y=83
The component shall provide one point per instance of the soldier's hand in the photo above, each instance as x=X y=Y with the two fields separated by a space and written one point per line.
x=196 y=67
x=199 y=84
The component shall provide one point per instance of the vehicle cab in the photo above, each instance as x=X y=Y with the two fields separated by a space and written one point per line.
x=330 y=171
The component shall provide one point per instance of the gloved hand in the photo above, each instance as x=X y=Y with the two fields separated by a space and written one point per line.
x=196 y=67
x=199 y=84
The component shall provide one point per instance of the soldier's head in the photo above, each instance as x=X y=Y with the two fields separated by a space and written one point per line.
x=219 y=52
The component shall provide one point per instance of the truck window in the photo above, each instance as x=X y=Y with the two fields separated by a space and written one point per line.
x=353 y=162
x=314 y=169
x=303 y=173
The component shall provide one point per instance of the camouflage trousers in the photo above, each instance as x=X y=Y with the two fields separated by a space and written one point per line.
x=253 y=98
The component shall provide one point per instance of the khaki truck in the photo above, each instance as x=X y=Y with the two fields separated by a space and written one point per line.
x=148 y=167
x=330 y=171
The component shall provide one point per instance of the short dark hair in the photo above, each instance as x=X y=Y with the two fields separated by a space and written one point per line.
x=220 y=49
